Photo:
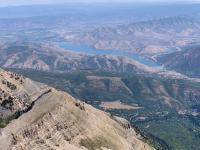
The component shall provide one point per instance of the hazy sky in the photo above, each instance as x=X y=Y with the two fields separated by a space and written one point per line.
x=31 y=2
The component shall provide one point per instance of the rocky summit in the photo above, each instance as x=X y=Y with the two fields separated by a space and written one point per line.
x=36 y=116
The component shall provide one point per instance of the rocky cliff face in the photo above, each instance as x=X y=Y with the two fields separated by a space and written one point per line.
x=17 y=94
x=56 y=121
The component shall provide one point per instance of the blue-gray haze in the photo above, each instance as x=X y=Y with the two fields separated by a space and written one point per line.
x=32 y=2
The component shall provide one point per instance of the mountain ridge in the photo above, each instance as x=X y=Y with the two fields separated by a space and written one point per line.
x=185 y=61
x=147 y=37
x=58 y=121
x=47 y=57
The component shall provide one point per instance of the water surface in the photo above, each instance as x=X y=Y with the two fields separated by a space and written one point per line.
x=81 y=48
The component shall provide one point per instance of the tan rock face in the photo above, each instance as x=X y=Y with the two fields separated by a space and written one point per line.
x=57 y=121
x=16 y=93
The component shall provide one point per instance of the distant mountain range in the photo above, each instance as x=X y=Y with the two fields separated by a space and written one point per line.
x=120 y=12
x=148 y=37
x=146 y=25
